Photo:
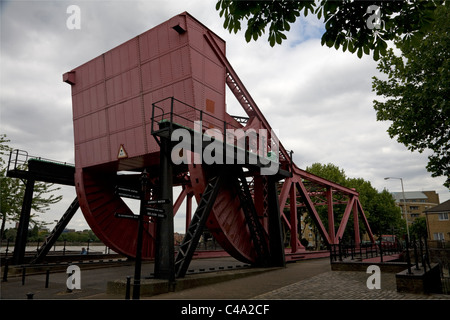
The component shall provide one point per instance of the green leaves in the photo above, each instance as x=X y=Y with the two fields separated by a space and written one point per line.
x=415 y=95
x=276 y=15
x=350 y=25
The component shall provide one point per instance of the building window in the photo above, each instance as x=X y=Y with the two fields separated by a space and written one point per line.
x=415 y=215
x=438 y=236
x=443 y=216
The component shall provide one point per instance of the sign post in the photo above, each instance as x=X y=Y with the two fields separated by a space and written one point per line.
x=138 y=262
x=128 y=193
x=155 y=212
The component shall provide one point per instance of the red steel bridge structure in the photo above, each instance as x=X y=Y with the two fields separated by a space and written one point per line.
x=127 y=103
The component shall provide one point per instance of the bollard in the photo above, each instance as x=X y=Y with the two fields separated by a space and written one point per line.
x=30 y=295
x=5 y=271
x=47 y=276
x=381 y=251
x=352 y=247
x=127 y=291
x=7 y=249
x=360 y=251
x=416 y=256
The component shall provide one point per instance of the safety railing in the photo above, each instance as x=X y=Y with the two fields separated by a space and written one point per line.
x=359 y=252
x=179 y=114
x=175 y=111
x=417 y=248
x=18 y=160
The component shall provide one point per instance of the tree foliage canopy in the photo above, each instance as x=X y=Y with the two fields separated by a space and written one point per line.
x=416 y=94
x=356 y=26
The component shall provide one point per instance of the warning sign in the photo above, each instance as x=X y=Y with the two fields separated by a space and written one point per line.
x=122 y=153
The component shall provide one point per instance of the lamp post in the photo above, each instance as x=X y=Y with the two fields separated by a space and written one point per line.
x=404 y=204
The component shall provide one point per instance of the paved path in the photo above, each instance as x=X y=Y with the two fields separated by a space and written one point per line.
x=249 y=287
x=345 y=285
x=304 y=280
x=309 y=279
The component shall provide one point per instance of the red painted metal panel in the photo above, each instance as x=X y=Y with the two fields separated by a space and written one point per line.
x=152 y=66
x=112 y=97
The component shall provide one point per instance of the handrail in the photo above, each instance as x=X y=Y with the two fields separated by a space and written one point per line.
x=18 y=159
x=206 y=119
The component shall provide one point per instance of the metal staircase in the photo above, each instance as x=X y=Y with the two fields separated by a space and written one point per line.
x=56 y=232
x=198 y=222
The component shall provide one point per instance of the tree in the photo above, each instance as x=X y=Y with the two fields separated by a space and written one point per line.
x=358 y=26
x=12 y=191
x=419 y=227
x=416 y=94
x=384 y=215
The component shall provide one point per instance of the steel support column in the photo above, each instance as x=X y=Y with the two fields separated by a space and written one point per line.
x=356 y=224
x=165 y=251
x=331 y=229
x=276 y=245
x=293 y=218
x=188 y=209
x=259 y=199
x=24 y=221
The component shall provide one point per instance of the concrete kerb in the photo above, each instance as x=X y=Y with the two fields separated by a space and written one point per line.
x=151 y=287
x=390 y=267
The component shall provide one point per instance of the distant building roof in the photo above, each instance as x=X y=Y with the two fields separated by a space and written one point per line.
x=409 y=195
x=443 y=207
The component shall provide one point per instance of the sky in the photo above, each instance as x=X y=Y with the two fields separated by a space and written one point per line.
x=319 y=99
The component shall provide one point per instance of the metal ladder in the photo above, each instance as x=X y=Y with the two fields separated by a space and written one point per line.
x=56 y=232
x=198 y=222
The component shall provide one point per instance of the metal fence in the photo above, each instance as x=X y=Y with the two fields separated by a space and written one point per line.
x=445 y=276
x=415 y=252
x=359 y=252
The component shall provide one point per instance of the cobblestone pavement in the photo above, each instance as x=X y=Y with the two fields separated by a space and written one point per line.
x=345 y=285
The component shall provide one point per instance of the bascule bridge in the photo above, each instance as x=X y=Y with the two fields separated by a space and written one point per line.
x=127 y=105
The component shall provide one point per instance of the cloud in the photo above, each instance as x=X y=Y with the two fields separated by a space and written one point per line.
x=319 y=99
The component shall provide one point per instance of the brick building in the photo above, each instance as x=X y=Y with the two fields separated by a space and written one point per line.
x=438 y=222
x=417 y=202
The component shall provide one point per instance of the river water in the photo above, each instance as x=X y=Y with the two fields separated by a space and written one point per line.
x=93 y=248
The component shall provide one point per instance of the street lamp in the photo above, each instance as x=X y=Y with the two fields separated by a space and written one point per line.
x=404 y=203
